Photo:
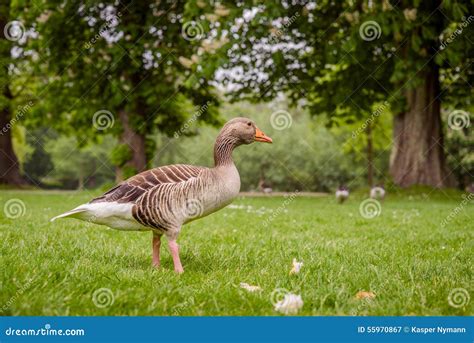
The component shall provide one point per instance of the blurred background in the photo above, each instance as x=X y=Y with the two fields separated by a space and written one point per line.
x=355 y=93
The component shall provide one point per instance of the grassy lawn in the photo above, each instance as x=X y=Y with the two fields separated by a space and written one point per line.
x=406 y=256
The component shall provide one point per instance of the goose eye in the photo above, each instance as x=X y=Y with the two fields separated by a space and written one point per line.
x=249 y=124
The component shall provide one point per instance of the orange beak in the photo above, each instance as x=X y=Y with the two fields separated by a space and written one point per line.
x=260 y=136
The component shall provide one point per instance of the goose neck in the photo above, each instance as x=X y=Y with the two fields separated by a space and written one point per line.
x=223 y=149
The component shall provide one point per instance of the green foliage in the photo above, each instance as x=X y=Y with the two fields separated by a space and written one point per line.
x=132 y=58
x=355 y=134
x=120 y=154
x=5 y=59
x=38 y=163
x=122 y=57
x=343 y=57
x=320 y=51
x=128 y=171
x=20 y=145
x=315 y=162
x=76 y=167
x=460 y=148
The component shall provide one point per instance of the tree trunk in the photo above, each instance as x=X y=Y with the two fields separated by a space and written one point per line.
x=370 y=156
x=136 y=143
x=418 y=153
x=9 y=166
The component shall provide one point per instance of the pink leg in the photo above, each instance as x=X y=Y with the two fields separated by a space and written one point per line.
x=156 y=250
x=174 y=249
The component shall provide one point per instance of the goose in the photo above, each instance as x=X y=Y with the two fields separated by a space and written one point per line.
x=342 y=194
x=163 y=199
x=265 y=187
x=470 y=188
x=377 y=192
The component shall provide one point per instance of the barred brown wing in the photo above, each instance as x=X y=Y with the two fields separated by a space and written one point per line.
x=131 y=189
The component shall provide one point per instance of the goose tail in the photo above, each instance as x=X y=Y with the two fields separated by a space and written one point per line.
x=71 y=213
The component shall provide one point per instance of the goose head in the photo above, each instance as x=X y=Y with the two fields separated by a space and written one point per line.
x=243 y=131
x=236 y=132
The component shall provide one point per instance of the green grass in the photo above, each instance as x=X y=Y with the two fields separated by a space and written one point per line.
x=406 y=256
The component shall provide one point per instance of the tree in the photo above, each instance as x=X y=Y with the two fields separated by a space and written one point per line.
x=368 y=139
x=38 y=164
x=316 y=163
x=126 y=68
x=86 y=167
x=9 y=166
x=342 y=57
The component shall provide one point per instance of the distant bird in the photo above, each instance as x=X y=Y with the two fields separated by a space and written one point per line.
x=342 y=194
x=377 y=192
x=265 y=187
x=165 y=198
x=470 y=188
